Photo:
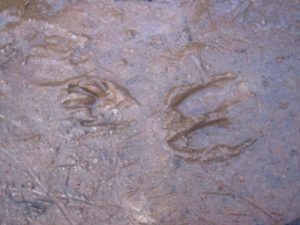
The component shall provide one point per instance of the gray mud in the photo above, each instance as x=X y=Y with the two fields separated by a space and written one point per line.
x=157 y=112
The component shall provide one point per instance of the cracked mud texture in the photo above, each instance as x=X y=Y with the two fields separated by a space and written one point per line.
x=133 y=112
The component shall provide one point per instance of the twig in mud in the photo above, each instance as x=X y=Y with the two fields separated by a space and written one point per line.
x=252 y=203
x=16 y=158
x=84 y=200
x=217 y=193
x=234 y=195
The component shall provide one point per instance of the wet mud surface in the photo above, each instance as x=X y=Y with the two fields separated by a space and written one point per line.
x=136 y=112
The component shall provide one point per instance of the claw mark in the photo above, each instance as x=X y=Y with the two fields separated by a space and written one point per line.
x=218 y=153
x=180 y=128
x=178 y=94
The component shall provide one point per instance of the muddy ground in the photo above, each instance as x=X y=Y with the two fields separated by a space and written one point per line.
x=163 y=112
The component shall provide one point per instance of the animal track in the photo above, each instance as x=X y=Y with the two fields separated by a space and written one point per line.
x=199 y=128
x=96 y=103
x=185 y=129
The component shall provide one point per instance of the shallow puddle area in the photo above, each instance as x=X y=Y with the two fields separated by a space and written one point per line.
x=133 y=112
